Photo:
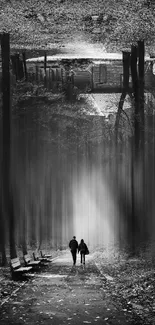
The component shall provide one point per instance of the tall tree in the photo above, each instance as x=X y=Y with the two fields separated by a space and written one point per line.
x=133 y=26
x=45 y=69
x=118 y=134
x=6 y=159
x=138 y=157
x=2 y=235
x=24 y=63
x=125 y=91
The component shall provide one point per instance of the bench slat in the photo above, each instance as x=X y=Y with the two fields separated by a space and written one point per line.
x=38 y=258
x=34 y=262
x=23 y=269
x=45 y=255
x=28 y=260
x=14 y=260
x=16 y=266
x=15 y=263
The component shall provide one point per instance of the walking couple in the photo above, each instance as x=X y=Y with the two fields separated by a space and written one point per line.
x=82 y=248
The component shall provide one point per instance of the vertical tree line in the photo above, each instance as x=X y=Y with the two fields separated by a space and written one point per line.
x=7 y=195
x=134 y=61
x=138 y=150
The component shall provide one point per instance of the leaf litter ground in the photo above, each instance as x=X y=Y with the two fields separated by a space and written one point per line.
x=130 y=283
x=106 y=293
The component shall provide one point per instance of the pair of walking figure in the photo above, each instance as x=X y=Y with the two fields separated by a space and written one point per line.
x=82 y=248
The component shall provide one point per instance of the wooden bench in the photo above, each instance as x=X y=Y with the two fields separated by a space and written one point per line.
x=29 y=262
x=43 y=260
x=46 y=256
x=17 y=269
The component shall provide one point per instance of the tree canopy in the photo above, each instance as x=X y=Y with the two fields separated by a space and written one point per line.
x=43 y=23
x=131 y=21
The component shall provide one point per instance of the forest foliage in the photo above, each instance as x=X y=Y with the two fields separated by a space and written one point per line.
x=41 y=24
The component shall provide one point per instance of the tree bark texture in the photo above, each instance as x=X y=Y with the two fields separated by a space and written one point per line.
x=6 y=160
x=141 y=52
x=17 y=66
x=126 y=65
x=24 y=63
x=137 y=160
x=45 y=67
x=135 y=84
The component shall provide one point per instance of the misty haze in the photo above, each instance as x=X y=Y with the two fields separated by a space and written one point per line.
x=77 y=154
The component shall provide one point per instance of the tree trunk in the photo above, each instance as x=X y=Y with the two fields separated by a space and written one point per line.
x=32 y=226
x=40 y=230
x=125 y=90
x=2 y=240
x=141 y=51
x=6 y=160
x=13 y=61
x=25 y=67
x=126 y=65
x=13 y=253
x=137 y=72
x=135 y=83
x=141 y=93
x=135 y=145
x=17 y=65
x=45 y=66
x=24 y=232
x=2 y=229
x=21 y=69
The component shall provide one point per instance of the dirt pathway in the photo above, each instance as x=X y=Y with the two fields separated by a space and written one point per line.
x=64 y=295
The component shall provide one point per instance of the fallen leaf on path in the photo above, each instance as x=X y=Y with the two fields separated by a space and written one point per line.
x=137 y=306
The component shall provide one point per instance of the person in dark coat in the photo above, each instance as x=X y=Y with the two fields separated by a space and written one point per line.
x=73 y=245
x=83 y=249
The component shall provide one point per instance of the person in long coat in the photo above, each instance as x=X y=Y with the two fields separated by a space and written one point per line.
x=83 y=249
x=73 y=245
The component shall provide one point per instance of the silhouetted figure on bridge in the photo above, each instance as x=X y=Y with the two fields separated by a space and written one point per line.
x=73 y=245
x=83 y=249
